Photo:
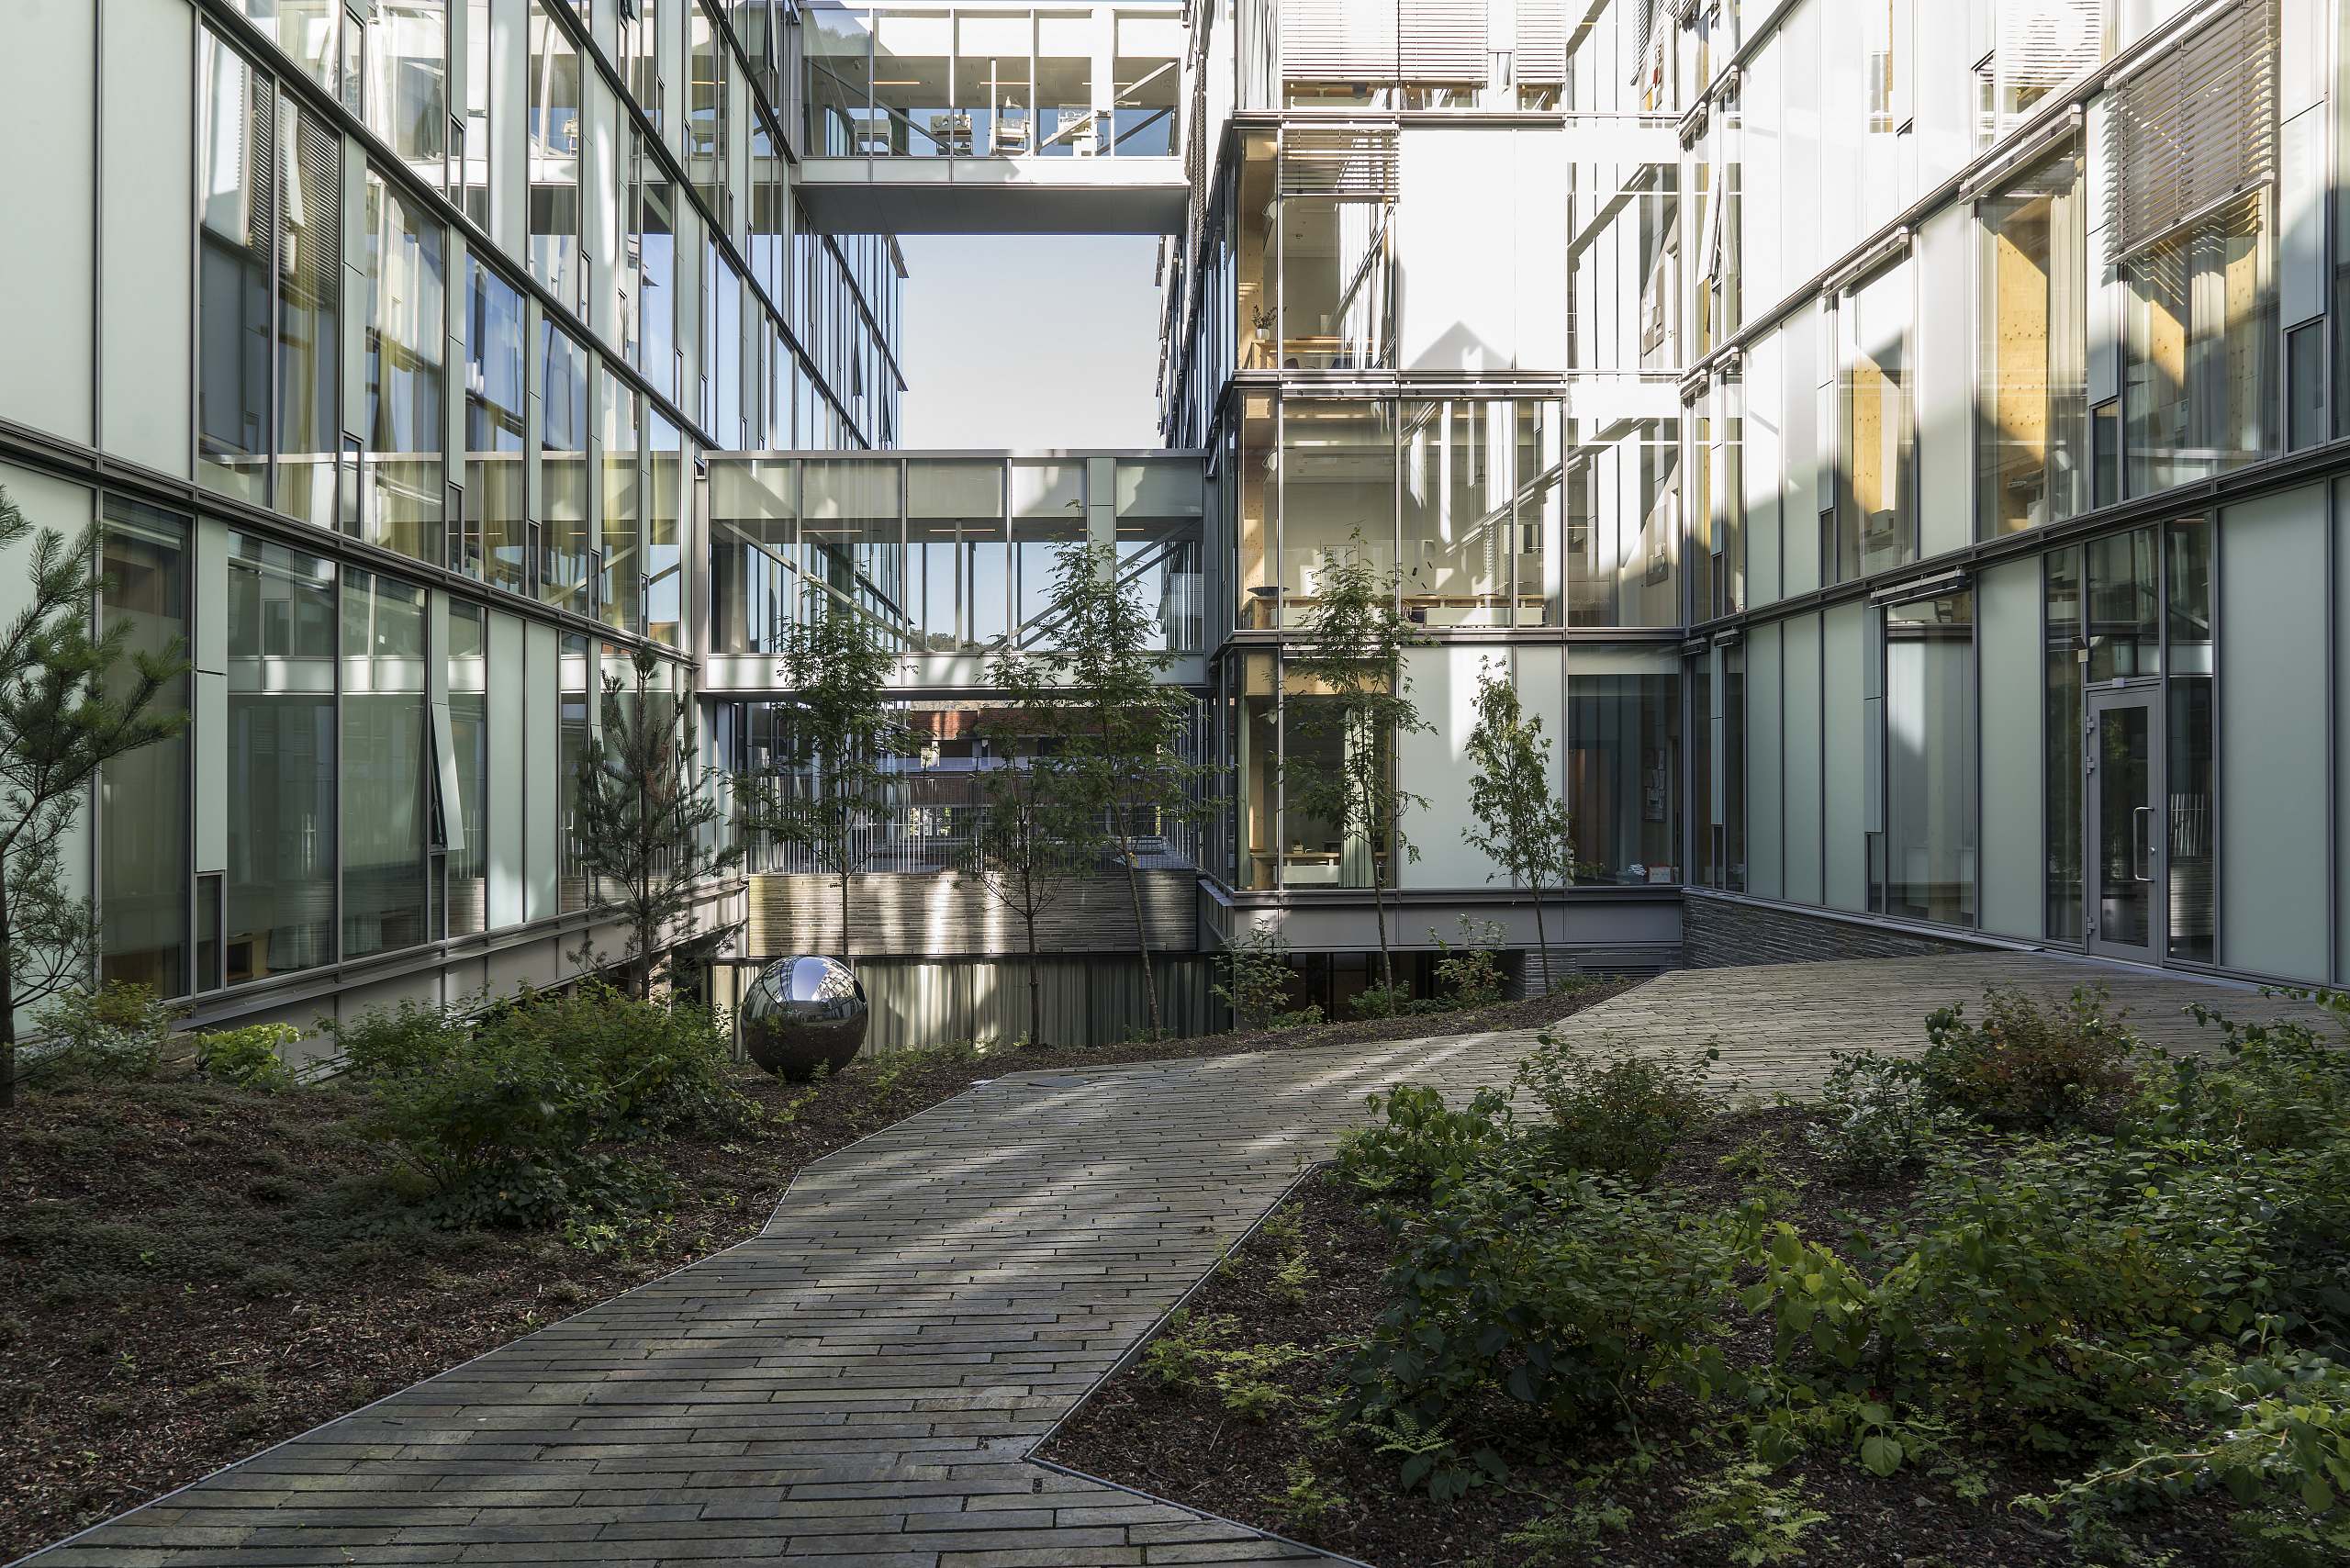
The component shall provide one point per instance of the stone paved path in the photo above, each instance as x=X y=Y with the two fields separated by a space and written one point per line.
x=861 y=1384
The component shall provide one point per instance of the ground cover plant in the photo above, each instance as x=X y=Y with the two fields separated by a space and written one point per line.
x=200 y=1255
x=2041 y=1297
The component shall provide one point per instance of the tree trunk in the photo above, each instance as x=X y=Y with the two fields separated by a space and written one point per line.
x=1142 y=933
x=1035 y=983
x=844 y=963
x=1379 y=908
x=7 y=1001
x=1541 y=940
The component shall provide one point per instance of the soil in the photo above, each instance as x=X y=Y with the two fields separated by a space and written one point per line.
x=1181 y=1442
x=190 y=1273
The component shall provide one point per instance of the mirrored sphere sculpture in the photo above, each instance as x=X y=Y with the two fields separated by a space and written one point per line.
x=803 y=1012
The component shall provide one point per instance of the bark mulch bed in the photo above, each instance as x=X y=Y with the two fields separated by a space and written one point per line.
x=1184 y=1443
x=190 y=1273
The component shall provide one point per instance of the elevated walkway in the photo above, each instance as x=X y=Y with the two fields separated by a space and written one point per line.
x=993 y=117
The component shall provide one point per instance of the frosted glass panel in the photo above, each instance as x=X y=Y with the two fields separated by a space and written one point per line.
x=2273 y=891
x=2013 y=885
x=1765 y=827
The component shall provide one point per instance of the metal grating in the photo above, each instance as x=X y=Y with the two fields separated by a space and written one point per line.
x=2195 y=126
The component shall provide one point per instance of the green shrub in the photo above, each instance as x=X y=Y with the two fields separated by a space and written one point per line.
x=2281 y=1086
x=1380 y=1001
x=2048 y=1292
x=662 y=1068
x=2024 y=1064
x=413 y=1038
x=1422 y=1139
x=1257 y=978
x=252 y=1058
x=117 y=1031
x=1470 y=976
x=1615 y=1109
x=1565 y=1294
x=1878 y=1120
x=487 y=1109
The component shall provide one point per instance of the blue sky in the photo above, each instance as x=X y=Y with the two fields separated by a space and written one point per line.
x=1030 y=341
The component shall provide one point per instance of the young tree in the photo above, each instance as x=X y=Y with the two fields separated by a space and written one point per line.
x=1023 y=855
x=1515 y=817
x=71 y=700
x=1120 y=770
x=842 y=737
x=647 y=829
x=1343 y=771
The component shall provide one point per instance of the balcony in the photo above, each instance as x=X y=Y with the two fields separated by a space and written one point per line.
x=959 y=118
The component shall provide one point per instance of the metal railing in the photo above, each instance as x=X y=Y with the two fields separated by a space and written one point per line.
x=937 y=835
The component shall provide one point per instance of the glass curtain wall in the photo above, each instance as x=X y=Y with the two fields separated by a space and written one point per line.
x=468 y=677
x=2067 y=634
x=281 y=748
x=575 y=726
x=2187 y=752
x=496 y=526
x=407 y=64
x=666 y=477
x=407 y=336
x=381 y=768
x=1048 y=522
x=143 y=796
x=1623 y=491
x=235 y=237
x=476 y=149
x=1926 y=859
x=756 y=582
x=2031 y=430
x=1337 y=493
x=957 y=558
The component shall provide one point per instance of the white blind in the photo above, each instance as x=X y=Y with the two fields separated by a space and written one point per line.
x=1442 y=40
x=1337 y=159
x=1346 y=40
x=2195 y=126
x=2044 y=44
x=1542 y=43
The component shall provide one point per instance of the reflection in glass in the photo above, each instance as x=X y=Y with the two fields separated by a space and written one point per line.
x=2125 y=784
x=2200 y=390
x=2033 y=425
x=408 y=82
x=2124 y=634
x=957 y=558
x=236 y=122
x=281 y=751
x=573 y=722
x=2065 y=637
x=1623 y=763
x=407 y=335
x=468 y=676
x=143 y=795
x=621 y=591
x=1337 y=492
x=1623 y=501
x=1160 y=513
x=756 y=587
x=497 y=532
x=309 y=285
x=381 y=766
x=1872 y=516
x=1928 y=855
x=1458 y=518
x=665 y=473
x=1336 y=282
x=553 y=155
x=2188 y=755
x=565 y=541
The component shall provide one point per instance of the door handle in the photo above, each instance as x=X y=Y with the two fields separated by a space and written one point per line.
x=2141 y=844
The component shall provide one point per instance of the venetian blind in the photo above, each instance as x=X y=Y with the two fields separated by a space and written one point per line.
x=1441 y=41
x=1541 y=43
x=1344 y=41
x=2044 y=44
x=1338 y=160
x=2196 y=126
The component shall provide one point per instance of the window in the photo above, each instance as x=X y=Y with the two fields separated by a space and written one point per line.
x=2067 y=634
x=143 y=795
x=1623 y=763
x=407 y=335
x=479 y=151
x=706 y=115
x=1925 y=857
x=567 y=540
x=665 y=478
x=497 y=541
x=575 y=739
x=1458 y=529
x=652 y=249
x=755 y=575
x=641 y=57
x=851 y=548
x=2031 y=429
x=619 y=597
x=1338 y=192
x=1623 y=521
x=2200 y=395
x=280 y=892
x=1160 y=513
x=408 y=82
x=381 y=767
x=468 y=848
x=957 y=559
x=270 y=238
x=1335 y=492
x=1875 y=528
x=553 y=159
x=2188 y=755
x=310 y=32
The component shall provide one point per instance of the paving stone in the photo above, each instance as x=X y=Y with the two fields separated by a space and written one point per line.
x=863 y=1382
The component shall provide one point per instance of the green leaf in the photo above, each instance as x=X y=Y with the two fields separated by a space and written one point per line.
x=1880 y=1453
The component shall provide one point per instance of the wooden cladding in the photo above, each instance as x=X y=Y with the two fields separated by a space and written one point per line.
x=941 y=915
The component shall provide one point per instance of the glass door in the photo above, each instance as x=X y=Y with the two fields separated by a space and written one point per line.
x=2127 y=846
